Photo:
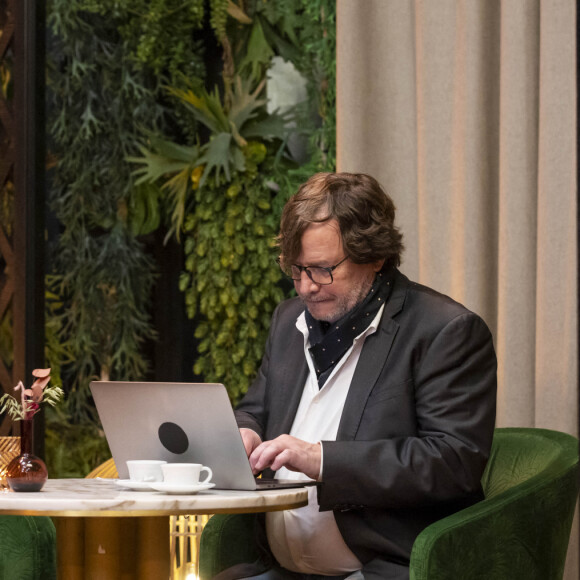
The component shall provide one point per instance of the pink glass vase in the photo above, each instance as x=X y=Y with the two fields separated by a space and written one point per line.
x=26 y=472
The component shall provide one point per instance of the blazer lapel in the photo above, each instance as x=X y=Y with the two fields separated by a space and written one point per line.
x=291 y=397
x=293 y=375
x=373 y=358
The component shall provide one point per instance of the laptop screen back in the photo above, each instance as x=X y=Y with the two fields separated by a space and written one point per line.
x=176 y=422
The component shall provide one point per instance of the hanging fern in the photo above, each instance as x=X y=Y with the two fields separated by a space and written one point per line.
x=101 y=273
x=102 y=92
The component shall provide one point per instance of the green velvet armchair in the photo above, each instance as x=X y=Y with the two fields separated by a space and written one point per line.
x=27 y=548
x=520 y=531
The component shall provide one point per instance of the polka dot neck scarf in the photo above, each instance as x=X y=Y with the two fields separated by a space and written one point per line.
x=330 y=340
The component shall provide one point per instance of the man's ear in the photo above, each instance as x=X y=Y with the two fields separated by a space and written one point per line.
x=378 y=265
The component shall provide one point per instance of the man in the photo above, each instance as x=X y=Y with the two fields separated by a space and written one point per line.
x=380 y=389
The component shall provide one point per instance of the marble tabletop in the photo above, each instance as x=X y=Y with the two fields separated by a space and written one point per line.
x=105 y=498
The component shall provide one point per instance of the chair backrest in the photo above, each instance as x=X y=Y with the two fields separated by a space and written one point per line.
x=521 y=529
x=106 y=469
x=522 y=454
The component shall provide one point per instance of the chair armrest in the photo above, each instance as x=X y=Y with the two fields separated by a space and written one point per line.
x=227 y=540
x=522 y=533
x=27 y=547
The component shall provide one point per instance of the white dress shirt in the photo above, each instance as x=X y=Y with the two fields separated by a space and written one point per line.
x=306 y=540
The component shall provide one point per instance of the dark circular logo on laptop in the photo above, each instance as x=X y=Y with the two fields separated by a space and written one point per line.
x=173 y=438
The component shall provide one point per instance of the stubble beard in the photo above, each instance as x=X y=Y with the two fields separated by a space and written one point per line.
x=346 y=302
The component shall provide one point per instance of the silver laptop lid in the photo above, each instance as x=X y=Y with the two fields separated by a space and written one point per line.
x=176 y=422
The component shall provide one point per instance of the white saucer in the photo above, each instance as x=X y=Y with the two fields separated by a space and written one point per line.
x=134 y=485
x=180 y=489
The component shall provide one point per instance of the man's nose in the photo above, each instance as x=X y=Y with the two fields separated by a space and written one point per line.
x=306 y=284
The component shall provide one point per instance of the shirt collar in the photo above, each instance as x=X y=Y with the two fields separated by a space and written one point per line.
x=370 y=329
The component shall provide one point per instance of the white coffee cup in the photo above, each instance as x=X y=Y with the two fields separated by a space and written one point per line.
x=185 y=473
x=145 y=469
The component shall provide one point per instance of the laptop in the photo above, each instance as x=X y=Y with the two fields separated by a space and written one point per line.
x=178 y=423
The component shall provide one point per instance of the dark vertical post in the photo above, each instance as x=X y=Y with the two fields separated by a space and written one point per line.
x=29 y=51
x=174 y=351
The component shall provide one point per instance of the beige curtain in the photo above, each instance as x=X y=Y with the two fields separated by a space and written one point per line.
x=465 y=110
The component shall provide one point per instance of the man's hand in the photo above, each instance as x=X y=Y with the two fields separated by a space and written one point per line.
x=290 y=452
x=250 y=439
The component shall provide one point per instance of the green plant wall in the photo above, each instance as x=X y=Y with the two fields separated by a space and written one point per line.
x=141 y=140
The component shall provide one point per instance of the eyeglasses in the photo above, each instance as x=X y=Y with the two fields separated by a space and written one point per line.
x=318 y=274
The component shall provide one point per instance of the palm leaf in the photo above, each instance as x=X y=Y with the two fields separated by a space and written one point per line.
x=288 y=50
x=154 y=167
x=173 y=150
x=273 y=126
x=206 y=107
x=217 y=156
x=245 y=104
x=259 y=52
x=178 y=186
x=169 y=158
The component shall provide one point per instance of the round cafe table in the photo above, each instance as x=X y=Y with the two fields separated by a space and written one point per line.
x=94 y=544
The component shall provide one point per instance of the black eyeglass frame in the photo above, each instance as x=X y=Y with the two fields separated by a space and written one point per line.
x=329 y=269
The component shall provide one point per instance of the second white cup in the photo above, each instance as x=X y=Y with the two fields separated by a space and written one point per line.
x=185 y=473
x=145 y=470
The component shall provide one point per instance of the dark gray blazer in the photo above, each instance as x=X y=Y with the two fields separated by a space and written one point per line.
x=417 y=425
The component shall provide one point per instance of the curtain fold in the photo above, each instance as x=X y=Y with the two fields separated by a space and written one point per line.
x=466 y=112
x=518 y=84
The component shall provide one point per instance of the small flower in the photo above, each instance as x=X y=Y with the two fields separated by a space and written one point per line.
x=31 y=398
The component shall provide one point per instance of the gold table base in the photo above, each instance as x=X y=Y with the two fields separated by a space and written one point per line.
x=113 y=548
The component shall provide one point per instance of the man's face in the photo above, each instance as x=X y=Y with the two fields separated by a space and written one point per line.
x=322 y=246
